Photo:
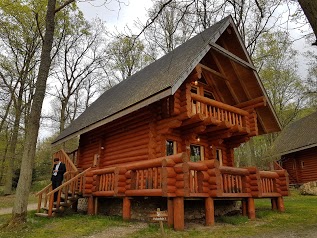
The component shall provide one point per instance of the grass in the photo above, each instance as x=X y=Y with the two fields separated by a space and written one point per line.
x=300 y=216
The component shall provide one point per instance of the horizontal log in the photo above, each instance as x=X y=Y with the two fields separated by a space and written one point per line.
x=197 y=166
x=218 y=104
x=268 y=174
x=104 y=171
x=270 y=195
x=170 y=181
x=170 y=172
x=125 y=161
x=144 y=192
x=233 y=170
x=131 y=153
x=235 y=195
x=179 y=184
x=103 y=193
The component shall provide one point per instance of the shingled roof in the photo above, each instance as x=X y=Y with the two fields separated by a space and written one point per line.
x=156 y=81
x=299 y=135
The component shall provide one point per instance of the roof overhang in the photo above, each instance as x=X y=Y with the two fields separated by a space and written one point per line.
x=154 y=98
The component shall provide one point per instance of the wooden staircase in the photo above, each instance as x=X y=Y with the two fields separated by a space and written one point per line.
x=68 y=193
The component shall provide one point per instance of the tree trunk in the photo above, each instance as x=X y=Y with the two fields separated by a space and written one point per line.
x=19 y=212
x=310 y=10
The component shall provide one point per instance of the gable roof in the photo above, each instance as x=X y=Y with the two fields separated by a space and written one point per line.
x=299 y=135
x=156 y=81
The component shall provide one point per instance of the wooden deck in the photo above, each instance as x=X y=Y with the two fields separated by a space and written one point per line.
x=176 y=178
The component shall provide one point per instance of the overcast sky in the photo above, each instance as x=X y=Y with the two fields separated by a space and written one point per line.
x=115 y=14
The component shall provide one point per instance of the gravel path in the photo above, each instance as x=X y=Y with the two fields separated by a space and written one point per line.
x=120 y=231
x=3 y=211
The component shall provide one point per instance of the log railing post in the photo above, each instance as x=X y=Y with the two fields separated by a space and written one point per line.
x=170 y=212
x=209 y=211
x=251 y=208
x=179 y=222
x=126 y=208
x=90 y=209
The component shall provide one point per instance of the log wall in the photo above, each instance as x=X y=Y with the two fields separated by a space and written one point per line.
x=305 y=166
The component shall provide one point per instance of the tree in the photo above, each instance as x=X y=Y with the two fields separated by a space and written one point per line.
x=310 y=10
x=76 y=66
x=19 y=57
x=125 y=57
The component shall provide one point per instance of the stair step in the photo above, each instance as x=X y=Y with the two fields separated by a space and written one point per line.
x=39 y=214
x=46 y=209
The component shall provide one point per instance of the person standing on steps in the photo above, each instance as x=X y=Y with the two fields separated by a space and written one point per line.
x=59 y=169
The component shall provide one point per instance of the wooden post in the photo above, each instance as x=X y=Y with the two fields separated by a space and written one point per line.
x=280 y=204
x=179 y=213
x=96 y=205
x=126 y=211
x=251 y=209
x=244 y=207
x=170 y=211
x=90 y=209
x=75 y=205
x=274 y=203
x=209 y=211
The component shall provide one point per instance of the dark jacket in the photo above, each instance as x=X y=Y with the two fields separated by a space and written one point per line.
x=60 y=173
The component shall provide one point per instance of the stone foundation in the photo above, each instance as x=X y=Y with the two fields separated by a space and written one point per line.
x=142 y=206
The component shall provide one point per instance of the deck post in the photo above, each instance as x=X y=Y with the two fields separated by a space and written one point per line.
x=280 y=204
x=179 y=221
x=126 y=211
x=170 y=212
x=251 y=208
x=274 y=203
x=244 y=205
x=209 y=211
x=91 y=209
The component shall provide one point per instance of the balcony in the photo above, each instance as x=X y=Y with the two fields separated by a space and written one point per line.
x=221 y=115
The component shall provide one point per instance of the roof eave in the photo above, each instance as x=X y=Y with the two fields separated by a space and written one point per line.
x=154 y=98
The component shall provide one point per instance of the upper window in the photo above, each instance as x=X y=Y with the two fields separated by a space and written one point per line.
x=196 y=153
x=219 y=155
x=170 y=147
x=209 y=95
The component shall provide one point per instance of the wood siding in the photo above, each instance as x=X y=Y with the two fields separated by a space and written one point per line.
x=301 y=166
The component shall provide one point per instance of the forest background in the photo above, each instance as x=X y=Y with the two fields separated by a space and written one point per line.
x=89 y=55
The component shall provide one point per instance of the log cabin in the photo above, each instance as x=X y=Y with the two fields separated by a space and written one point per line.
x=170 y=130
x=296 y=148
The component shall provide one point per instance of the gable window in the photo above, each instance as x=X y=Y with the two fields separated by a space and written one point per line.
x=196 y=153
x=171 y=148
x=209 y=95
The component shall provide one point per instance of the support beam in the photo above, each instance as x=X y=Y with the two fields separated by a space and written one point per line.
x=212 y=71
x=231 y=56
x=244 y=205
x=251 y=209
x=91 y=209
x=280 y=204
x=126 y=210
x=170 y=212
x=274 y=203
x=209 y=211
x=179 y=220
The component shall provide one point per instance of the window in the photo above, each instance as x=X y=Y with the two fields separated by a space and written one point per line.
x=219 y=155
x=196 y=153
x=302 y=164
x=171 y=148
x=209 y=95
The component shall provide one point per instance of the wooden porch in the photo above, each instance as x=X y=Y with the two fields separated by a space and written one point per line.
x=173 y=177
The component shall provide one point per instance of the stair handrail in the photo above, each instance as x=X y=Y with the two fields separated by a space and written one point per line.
x=59 y=189
x=63 y=156
x=40 y=194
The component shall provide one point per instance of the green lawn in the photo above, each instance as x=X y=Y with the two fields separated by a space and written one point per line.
x=300 y=216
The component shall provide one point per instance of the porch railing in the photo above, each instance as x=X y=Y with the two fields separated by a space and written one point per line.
x=218 y=110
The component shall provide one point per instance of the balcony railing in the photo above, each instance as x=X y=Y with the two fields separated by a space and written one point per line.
x=218 y=110
x=176 y=176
